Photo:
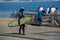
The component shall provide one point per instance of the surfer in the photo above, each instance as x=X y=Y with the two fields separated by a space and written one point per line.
x=22 y=27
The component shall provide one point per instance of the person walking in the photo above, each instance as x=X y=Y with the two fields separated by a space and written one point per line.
x=40 y=15
x=21 y=27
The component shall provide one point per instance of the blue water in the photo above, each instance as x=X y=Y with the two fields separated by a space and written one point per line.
x=6 y=8
x=27 y=5
x=5 y=14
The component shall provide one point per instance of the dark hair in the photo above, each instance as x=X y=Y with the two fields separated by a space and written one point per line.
x=21 y=10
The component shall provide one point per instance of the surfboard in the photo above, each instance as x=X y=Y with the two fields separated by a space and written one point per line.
x=22 y=21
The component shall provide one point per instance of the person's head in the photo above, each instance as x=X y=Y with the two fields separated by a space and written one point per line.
x=21 y=11
x=40 y=8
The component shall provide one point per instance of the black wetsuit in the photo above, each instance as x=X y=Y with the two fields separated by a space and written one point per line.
x=22 y=27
